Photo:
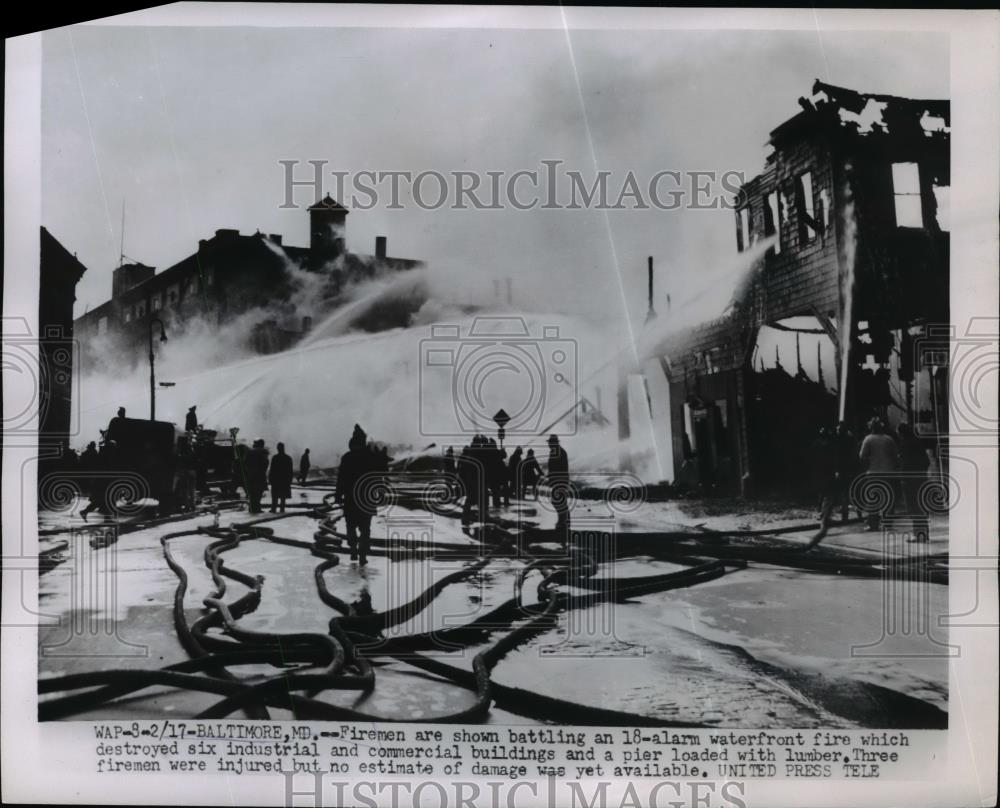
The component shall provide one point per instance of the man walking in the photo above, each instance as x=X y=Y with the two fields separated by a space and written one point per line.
x=358 y=510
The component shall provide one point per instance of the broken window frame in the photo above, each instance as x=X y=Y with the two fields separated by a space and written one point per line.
x=805 y=207
x=744 y=228
x=772 y=219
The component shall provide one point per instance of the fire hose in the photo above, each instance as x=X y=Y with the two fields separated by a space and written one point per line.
x=336 y=651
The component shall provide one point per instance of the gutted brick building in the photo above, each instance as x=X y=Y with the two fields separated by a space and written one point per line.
x=231 y=275
x=852 y=209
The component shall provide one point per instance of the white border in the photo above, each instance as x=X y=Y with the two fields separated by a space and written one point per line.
x=34 y=756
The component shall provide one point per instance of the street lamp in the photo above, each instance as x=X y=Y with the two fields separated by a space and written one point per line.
x=152 y=374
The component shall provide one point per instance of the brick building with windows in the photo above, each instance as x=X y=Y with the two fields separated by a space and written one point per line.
x=232 y=274
x=854 y=196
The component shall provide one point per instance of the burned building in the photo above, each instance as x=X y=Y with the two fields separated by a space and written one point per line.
x=232 y=274
x=852 y=206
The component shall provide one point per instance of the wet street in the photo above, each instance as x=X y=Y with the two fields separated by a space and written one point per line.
x=762 y=643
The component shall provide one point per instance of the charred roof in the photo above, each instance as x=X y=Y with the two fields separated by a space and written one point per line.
x=866 y=114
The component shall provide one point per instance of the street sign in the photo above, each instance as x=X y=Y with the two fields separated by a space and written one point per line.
x=501 y=419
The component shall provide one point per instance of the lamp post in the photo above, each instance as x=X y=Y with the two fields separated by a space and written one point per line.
x=152 y=374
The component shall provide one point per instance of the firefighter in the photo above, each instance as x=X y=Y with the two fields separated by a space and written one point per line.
x=494 y=465
x=357 y=462
x=100 y=482
x=191 y=419
x=450 y=468
x=113 y=432
x=304 y=465
x=280 y=478
x=185 y=475
x=914 y=463
x=530 y=472
x=256 y=474
x=824 y=466
x=513 y=472
x=847 y=467
x=558 y=476
x=470 y=475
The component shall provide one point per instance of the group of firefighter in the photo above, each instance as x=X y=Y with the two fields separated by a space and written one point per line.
x=898 y=463
x=483 y=472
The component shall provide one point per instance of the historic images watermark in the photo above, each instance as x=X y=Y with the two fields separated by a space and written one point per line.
x=315 y=789
x=550 y=185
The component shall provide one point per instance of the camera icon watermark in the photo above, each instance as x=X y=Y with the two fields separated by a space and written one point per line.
x=466 y=381
x=588 y=496
x=959 y=374
x=586 y=627
x=410 y=506
x=904 y=506
x=93 y=627
x=41 y=373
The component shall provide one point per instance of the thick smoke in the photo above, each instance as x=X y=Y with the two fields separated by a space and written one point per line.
x=350 y=369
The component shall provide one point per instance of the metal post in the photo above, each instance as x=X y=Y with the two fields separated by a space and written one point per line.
x=152 y=377
x=152 y=360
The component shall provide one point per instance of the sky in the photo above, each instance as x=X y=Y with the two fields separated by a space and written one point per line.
x=187 y=126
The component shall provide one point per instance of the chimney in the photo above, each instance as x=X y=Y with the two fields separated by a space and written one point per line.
x=327 y=229
x=126 y=276
x=380 y=242
x=651 y=314
x=276 y=238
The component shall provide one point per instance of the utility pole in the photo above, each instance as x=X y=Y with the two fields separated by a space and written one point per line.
x=152 y=372
x=651 y=314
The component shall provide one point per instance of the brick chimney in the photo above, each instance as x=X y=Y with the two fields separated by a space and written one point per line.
x=380 y=242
